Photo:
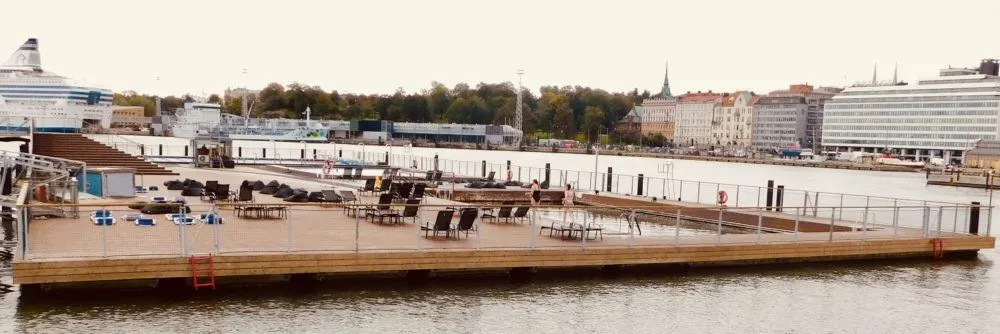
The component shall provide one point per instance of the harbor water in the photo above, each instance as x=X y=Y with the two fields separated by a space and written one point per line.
x=953 y=296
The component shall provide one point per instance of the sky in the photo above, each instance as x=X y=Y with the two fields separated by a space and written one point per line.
x=372 y=46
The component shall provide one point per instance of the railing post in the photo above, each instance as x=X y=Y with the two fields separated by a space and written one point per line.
x=895 y=221
x=954 y=226
x=940 y=214
x=841 y=207
x=104 y=234
x=816 y=205
x=737 y=196
x=760 y=222
x=795 y=235
x=288 y=225
x=215 y=228
x=357 y=229
x=631 y=231
x=924 y=221
x=698 y=200
x=718 y=228
x=805 y=203
x=677 y=228
x=182 y=228
x=832 y=215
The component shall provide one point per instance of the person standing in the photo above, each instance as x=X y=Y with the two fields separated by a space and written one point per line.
x=536 y=193
x=567 y=201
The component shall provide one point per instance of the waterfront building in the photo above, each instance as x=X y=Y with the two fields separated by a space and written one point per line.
x=732 y=120
x=790 y=118
x=128 y=116
x=659 y=112
x=693 y=120
x=632 y=121
x=940 y=117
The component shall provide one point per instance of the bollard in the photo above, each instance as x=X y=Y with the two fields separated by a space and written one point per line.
x=185 y=150
x=436 y=163
x=548 y=173
x=484 y=168
x=638 y=190
x=340 y=153
x=263 y=153
x=609 y=180
x=315 y=156
x=770 y=194
x=161 y=149
x=239 y=151
x=302 y=154
x=142 y=149
x=508 y=164
x=779 y=201
x=974 y=218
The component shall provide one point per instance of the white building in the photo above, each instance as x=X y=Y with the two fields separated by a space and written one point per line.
x=790 y=118
x=732 y=120
x=938 y=117
x=693 y=125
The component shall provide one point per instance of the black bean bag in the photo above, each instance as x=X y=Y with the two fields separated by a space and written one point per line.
x=499 y=185
x=175 y=186
x=489 y=185
x=258 y=185
x=193 y=192
x=137 y=206
x=268 y=190
x=475 y=185
x=163 y=208
x=316 y=196
x=284 y=193
x=298 y=197
x=195 y=184
x=168 y=183
x=273 y=183
x=187 y=182
x=154 y=188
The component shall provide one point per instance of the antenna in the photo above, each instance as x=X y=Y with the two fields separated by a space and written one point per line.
x=875 y=75
x=895 y=70
x=518 y=117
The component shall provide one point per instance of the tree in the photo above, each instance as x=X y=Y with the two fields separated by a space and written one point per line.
x=214 y=98
x=593 y=119
x=466 y=110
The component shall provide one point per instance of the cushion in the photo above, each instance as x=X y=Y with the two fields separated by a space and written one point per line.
x=193 y=192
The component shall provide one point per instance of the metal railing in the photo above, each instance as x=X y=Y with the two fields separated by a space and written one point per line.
x=310 y=227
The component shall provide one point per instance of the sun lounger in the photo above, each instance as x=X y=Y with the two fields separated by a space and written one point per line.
x=441 y=224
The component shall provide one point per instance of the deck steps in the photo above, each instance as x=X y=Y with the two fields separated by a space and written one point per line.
x=95 y=154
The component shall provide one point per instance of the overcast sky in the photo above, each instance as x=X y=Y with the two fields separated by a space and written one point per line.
x=375 y=46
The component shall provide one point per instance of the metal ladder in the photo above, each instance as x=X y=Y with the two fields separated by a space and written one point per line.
x=198 y=264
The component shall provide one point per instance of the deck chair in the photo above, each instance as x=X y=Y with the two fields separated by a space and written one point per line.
x=441 y=224
x=503 y=213
x=349 y=198
x=412 y=209
x=369 y=186
x=491 y=176
x=383 y=210
x=245 y=194
x=221 y=192
x=418 y=191
x=331 y=196
x=466 y=222
x=210 y=186
x=521 y=213
x=404 y=190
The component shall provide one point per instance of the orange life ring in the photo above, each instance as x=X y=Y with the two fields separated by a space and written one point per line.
x=723 y=197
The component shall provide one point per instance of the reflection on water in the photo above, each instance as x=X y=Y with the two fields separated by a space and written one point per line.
x=899 y=297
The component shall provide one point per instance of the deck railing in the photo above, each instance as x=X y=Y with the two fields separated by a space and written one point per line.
x=310 y=227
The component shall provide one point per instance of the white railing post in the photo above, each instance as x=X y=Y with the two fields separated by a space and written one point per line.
x=832 y=216
x=288 y=226
x=677 y=228
x=795 y=235
x=718 y=228
x=357 y=228
x=940 y=214
x=895 y=221
x=760 y=222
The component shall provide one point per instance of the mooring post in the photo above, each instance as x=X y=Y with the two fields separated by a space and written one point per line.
x=186 y=151
x=436 y=162
x=609 y=180
x=779 y=201
x=239 y=151
x=263 y=152
x=161 y=149
x=638 y=190
x=484 y=168
x=340 y=153
x=974 y=218
x=548 y=173
x=769 y=198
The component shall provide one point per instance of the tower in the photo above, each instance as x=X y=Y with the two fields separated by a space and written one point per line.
x=666 y=82
x=875 y=75
x=895 y=71
x=518 y=116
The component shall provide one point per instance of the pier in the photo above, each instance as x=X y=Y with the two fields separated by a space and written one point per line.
x=324 y=239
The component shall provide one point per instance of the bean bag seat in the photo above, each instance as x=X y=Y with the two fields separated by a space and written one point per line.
x=187 y=182
x=499 y=185
x=316 y=196
x=298 y=197
x=161 y=208
x=273 y=183
x=176 y=186
x=475 y=185
x=269 y=190
x=284 y=193
x=137 y=206
x=489 y=185
x=258 y=185
x=168 y=183
x=193 y=192
x=195 y=184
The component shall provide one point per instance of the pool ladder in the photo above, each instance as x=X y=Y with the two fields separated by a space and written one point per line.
x=198 y=269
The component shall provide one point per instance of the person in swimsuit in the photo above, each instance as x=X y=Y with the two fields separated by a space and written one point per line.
x=568 y=196
x=536 y=193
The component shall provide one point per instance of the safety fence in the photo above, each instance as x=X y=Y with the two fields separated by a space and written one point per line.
x=104 y=231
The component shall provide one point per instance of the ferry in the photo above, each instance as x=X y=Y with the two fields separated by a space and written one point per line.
x=53 y=103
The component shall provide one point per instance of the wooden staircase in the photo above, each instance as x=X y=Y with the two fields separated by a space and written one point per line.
x=95 y=154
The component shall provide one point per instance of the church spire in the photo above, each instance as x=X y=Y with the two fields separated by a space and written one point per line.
x=875 y=75
x=666 y=82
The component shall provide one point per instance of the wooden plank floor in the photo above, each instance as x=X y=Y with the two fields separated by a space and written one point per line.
x=322 y=240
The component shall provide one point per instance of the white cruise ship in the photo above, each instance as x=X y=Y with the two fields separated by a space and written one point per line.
x=55 y=103
x=207 y=119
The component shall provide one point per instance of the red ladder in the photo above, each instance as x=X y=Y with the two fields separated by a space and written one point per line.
x=198 y=263
x=938 y=245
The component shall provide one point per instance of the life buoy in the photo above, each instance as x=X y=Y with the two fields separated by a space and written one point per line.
x=723 y=197
x=327 y=167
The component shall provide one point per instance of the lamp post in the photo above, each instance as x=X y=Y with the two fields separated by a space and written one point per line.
x=362 y=153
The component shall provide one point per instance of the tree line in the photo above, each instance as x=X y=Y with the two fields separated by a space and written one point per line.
x=567 y=112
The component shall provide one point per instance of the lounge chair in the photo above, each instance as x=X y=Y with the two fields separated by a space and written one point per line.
x=418 y=191
x=315 y=197
x=491 y=176
x=349 y=198
x=521 y=213
x=369 y=187
x=383 y=209
x=193 y=192
x=412 y=209
x=441 y=224
x=331 y=196
x=145 y=221
x=245 y=194
x=404 y=190
x=210 y=186
x=221 y=192
x=466 y=222
x=503 y=213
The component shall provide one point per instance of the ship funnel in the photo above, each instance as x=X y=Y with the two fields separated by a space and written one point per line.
x=26 y=56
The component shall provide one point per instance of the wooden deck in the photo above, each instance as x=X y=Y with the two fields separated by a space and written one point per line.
x=316 y=239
